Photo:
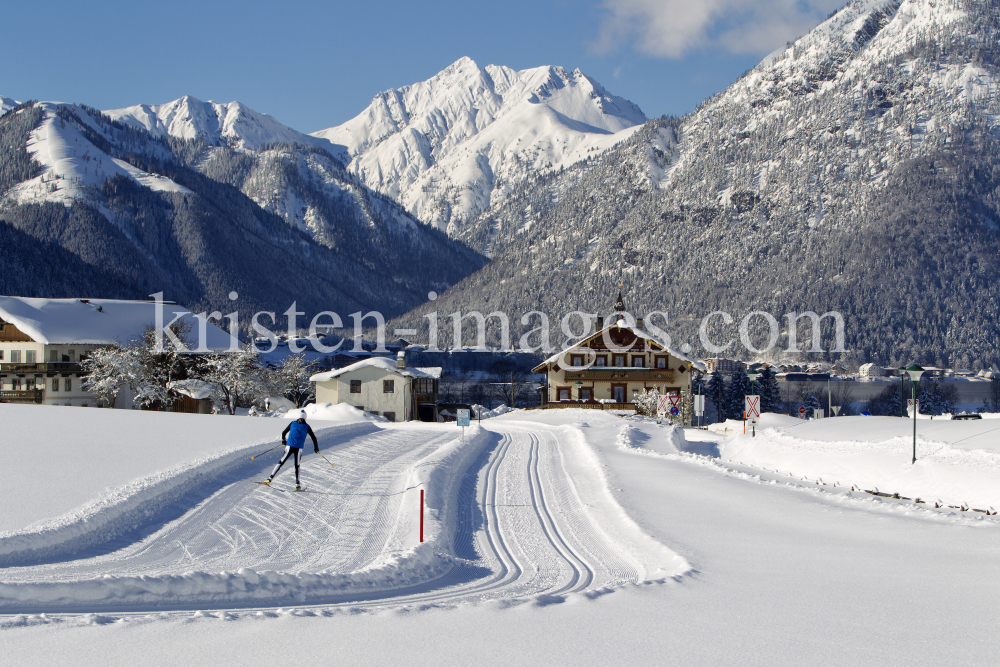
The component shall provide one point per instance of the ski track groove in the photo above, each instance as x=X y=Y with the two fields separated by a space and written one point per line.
x=520 y=516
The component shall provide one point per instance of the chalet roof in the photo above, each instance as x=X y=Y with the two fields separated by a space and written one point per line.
x=639 y=333
x=383 y=363
x=95 y=321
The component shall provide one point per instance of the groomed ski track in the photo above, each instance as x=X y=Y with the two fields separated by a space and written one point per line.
x=532 y=519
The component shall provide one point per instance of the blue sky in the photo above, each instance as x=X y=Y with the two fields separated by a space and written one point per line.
x=313 y=64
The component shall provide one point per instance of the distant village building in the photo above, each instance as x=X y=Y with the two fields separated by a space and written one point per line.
x=382 y=386
x=43 y=341
x=870 y=370
x=610 y=368
x=724 y=366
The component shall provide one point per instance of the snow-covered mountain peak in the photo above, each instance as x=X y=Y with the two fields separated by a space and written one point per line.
x=6 y=104
x=233 y=123
x=442 y=145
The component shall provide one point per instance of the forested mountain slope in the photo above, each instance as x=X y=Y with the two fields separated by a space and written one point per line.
x=856 y=171
x=158 y=213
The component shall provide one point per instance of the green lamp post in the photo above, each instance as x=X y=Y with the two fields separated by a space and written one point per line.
x=914 y=372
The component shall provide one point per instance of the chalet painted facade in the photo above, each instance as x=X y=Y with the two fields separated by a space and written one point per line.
x=43 y=341
x=610 y=368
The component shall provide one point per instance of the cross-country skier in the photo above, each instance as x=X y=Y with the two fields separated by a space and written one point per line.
x=293 y=438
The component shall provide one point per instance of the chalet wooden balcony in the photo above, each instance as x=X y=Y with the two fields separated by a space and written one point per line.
x=620 y=374
x=589 y=405
x=32 y=396
x=51 y=367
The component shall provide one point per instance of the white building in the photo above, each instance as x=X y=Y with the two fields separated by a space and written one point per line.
x=383 y=387
x=870 y=371
x=42 y=342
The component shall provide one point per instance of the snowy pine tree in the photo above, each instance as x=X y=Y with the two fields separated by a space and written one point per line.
x=715 y=392
x=770 y=393
x=812 y=404
x=736 y=393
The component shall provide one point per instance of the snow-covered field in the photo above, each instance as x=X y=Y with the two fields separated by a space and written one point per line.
x=551 y=537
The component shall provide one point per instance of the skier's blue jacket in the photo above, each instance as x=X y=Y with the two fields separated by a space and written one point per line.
x=295 y=434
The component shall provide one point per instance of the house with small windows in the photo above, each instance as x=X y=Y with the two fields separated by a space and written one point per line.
x=43 y=341
x=611 y=367
x=383 y=386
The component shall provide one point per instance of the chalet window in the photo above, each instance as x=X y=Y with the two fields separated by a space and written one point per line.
x=29 y=357
x=69 y=384
x=29 y=385
x=638 y=362
x=15 y=356
x=620 y=361
x=53 y=356
x=71 y=354
x=661 y=362
x=601 y=362
x=15 y=385
x=585 y=395
x=1 y=355
x=388 y=386
x=355 y=386
x=55 y=384
x=618 y=393
x=564 y=394
x=391 y=416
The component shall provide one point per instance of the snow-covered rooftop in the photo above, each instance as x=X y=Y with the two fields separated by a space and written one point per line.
x=196 y=389
x=383 y=363
x=96 y=321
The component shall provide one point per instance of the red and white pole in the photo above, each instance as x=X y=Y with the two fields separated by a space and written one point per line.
x=421 y=515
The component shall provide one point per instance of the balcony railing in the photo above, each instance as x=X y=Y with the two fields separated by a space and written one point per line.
x=621 y=374
x=31 y=396
x=51 y=367
x=590 y=405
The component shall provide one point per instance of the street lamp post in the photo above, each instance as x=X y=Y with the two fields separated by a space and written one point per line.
x=902 y=394
x=914 y=372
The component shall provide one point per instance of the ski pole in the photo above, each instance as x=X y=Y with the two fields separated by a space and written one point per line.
x=262 y=453
x=327 y=460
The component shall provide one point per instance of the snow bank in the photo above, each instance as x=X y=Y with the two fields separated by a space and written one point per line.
x=439 y=473
x=482 y=412
x=853 y=454
x=133 y=507
x=331 y=412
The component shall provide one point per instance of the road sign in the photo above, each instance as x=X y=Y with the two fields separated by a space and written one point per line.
x=675 y=411
x=818 y=413
x=674 y=400
x=866 y=413
x=802 y=412
x=463 y=417
x=836 y=410
x=909 y=405
x=751 y=406
x=662 y=405
x=699 y=405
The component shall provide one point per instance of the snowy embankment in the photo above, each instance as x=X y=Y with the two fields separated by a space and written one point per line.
x=397 y=565
x=958 y=462
x=126 y=507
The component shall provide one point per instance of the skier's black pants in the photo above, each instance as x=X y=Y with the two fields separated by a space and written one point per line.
x=284 y=457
